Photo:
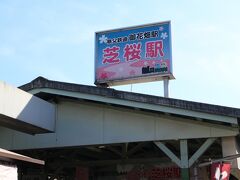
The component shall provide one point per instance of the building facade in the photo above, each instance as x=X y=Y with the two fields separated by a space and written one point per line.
x=102 y=133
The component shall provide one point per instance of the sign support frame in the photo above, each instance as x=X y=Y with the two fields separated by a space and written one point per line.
x=166 y=87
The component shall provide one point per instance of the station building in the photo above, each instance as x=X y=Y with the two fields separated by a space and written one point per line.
x=94 y=133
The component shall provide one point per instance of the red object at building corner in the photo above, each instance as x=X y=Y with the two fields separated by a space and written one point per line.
x=220 y=171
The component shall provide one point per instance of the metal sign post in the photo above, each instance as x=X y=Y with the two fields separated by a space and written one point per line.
x=166 y=87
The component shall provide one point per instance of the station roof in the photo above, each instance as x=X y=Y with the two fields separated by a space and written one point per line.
x=42 y=87
x=24 y=112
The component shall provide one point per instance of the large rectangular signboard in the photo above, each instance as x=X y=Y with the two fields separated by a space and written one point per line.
x=133 y=55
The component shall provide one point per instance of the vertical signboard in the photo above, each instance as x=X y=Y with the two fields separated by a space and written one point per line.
x=134 y=54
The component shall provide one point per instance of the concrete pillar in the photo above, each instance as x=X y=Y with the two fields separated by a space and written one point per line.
x=184 y=159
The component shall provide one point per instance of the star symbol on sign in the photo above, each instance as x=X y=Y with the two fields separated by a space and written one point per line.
x=103 y=39
x=161 y=28
x=164 y=35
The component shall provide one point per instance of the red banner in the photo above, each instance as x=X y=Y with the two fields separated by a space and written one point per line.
x=220 y=171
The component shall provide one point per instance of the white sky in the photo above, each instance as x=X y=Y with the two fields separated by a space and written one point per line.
x=55 y=39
